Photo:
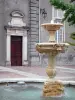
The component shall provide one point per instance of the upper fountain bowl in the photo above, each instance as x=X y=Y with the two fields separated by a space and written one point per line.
x=52 y=26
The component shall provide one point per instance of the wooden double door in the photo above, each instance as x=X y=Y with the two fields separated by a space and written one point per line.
x=16 y=51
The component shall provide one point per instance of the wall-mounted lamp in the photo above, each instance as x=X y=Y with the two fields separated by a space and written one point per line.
x=43 y=12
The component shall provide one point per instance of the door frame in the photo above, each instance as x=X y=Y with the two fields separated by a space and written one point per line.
x=16 y=32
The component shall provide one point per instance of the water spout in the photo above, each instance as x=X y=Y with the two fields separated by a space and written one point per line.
x=52 y=21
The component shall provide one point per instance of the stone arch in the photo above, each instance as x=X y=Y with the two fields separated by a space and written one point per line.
x=17 y=13
x=17 y=18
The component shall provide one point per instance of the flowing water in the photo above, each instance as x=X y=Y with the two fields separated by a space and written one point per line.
x=32 y=91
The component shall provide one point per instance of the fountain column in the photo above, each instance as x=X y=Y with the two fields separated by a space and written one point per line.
x=52 y=36
x=50 y=70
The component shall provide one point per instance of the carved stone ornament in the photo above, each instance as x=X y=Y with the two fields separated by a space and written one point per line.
x=16 y=19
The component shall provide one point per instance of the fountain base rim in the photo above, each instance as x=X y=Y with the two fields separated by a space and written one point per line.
x=59 y=96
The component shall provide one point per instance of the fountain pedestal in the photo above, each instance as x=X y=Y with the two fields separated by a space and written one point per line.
x=52 y=87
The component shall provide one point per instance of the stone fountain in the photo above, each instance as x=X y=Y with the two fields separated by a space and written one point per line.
x=52 y=87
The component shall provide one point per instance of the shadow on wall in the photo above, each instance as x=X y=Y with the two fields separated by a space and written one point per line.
x=60 y=60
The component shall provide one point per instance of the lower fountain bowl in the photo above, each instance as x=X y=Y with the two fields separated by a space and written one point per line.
x=51 y=47
x=32 y=91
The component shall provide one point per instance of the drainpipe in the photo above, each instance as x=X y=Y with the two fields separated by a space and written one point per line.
x=39 y=23
x=39 y=33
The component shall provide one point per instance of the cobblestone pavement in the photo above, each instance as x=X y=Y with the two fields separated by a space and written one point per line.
x=63 y=73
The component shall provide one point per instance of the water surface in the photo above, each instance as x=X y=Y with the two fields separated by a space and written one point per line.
x=32 y=92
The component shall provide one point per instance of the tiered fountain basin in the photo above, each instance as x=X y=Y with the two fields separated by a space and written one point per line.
x=51 y=48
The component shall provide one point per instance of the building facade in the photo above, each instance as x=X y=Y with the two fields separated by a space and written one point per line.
x=20 y=30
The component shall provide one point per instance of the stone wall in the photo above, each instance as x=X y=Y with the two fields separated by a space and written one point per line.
x=11 y=5
x=2 y=34
x=44 y=36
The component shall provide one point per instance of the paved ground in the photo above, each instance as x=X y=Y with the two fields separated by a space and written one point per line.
x=63 y=73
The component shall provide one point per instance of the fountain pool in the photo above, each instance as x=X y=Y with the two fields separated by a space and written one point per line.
x=31 y=91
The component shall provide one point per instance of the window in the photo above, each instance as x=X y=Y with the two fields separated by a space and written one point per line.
x=57 y=16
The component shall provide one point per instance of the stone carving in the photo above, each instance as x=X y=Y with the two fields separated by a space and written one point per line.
x=16 y=19
x=53 y=88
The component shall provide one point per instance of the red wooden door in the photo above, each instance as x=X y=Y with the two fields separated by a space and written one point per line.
x=16 y=51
